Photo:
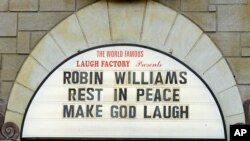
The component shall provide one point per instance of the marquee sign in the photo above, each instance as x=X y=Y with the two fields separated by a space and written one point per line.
x=123 y=91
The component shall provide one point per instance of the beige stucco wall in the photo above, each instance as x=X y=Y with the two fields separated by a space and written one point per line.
x=24 y=22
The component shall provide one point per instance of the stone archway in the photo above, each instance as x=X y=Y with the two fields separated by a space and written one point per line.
x=140 y=22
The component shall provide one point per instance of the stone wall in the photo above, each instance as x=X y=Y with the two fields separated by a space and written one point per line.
x=24 y=22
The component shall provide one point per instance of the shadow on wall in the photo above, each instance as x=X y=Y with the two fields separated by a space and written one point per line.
x=247 y=111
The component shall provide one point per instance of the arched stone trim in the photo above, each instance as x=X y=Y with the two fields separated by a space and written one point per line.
x=140 y=22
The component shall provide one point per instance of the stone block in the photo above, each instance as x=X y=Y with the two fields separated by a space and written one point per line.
x=11 y=65
x=36 y=37
x=23 y=42
x=156 y=15
x=45 y=53
x=23 y=5
x=212 y=8
x=244 y=91
x=230 y=102
x=206 y=20
x=12 y=61
x=40 y=21
x=198 y=56
x=19 y=98
x=241 y=69
x=57 y=5
x=8 y=75
x=14 y=117
x=245 y=52
x=8 y=24
x=228 y=1
x=5 y=90
x=182 y=37
x=82 y=3
x=7 y=45
x=126 y=19
x=31 y=74
x=96 y=29
x=175 y=4
x=194 y=5
x=69 y=36
x=245 y=39
x=228 y=42
x=230 y=15
x=219 y=77
x=4 y=5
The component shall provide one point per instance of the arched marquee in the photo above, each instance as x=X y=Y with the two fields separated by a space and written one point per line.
x=123 y=91
x=184 y=53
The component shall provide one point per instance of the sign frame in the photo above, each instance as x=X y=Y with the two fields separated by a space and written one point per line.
x=114 y=45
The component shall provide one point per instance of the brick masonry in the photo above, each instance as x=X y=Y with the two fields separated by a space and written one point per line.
x=24 y=22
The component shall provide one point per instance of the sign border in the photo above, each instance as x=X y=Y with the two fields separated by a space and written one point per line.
x=130 y=139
